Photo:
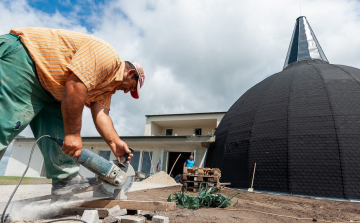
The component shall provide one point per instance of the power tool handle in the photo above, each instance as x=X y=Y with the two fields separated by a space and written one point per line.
x=125 y=157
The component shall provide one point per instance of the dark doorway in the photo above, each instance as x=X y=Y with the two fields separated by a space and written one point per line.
x=178 y=168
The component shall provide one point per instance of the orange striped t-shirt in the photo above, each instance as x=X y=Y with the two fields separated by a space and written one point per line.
x=58 y=53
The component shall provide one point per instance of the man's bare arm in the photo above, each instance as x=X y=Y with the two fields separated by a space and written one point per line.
x=106 y=129
x=72 y=104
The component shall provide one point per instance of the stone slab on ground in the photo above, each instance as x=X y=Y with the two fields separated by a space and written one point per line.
x=90 y=216
x=102 y=212
x=160 y=219
x=133 y=219
x=116 y=211
x=112 y=219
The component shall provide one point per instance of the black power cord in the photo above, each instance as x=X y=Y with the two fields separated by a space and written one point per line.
x=59 y=142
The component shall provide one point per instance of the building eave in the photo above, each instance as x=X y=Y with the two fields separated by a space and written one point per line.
x=149 y=141
x=201 y=113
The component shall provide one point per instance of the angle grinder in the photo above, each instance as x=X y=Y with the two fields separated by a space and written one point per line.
x=115 y=176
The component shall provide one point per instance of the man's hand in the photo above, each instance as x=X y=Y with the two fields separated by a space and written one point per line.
x=119 y=149
x=72 y=145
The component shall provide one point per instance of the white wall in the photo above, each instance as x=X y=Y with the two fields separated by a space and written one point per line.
x=182 y=124
x=21 y=151
x=19 y=159
x=155 y=130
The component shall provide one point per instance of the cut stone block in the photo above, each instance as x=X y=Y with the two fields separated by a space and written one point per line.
x=132 y=219
x=116 y=211
x=160 y=219
x=102 y=212
x=112 y=219
x=90 y=216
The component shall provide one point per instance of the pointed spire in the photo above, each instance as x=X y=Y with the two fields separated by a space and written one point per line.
x=303 y=45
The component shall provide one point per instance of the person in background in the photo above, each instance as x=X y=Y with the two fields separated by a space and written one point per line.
x=190 y=162
x=178 y=178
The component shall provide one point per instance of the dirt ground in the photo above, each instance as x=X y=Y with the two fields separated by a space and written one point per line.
x=258 y=207
x=252 y=207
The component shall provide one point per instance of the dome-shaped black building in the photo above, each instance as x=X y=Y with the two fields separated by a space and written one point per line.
x=300 y=126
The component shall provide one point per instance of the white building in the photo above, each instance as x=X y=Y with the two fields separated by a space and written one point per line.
x=165 y=138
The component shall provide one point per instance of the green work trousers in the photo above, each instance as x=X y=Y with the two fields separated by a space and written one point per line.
x=24 y=101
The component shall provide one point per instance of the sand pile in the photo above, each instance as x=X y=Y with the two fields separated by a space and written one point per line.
x=160 y=178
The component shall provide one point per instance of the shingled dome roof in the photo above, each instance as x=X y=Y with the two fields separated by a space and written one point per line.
x=300 y=126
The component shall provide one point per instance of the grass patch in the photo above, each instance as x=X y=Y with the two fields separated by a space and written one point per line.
x=13 y=180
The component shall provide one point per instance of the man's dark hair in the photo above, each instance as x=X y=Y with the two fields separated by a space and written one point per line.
x=130 y=66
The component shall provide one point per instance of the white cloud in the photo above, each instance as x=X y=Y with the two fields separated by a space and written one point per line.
x=19 y=14
x=199 y=56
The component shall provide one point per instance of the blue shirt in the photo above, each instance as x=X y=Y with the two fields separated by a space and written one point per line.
x=189 y=163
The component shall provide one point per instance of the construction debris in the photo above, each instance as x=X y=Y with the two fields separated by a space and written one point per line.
x=133 y=219
x=90 y=216
x=116 y=211
x=160 y=219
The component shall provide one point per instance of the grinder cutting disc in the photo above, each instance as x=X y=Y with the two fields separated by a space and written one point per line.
x=109 y=189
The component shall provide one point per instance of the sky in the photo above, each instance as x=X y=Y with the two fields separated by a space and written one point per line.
x=198 y=55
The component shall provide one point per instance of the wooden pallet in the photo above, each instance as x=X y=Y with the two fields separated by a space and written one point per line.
x=194 y=178
x=202 y=171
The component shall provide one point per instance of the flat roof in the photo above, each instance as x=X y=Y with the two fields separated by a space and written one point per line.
x=150 y=141
x=201 y=113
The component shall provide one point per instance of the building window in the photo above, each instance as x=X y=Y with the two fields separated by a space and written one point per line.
x=198 y=132
x=135 y=160
x=146 y=163
x=105 y=154
x=169 y=132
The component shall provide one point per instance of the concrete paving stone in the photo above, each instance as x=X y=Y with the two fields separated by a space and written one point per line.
x=160 y=219
x=132 y=219
x=116 y=211
x=102 y=212
x=112 y=219
x=90 y=216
